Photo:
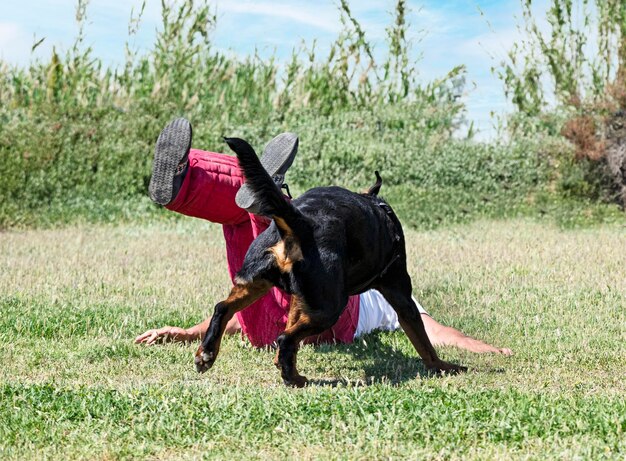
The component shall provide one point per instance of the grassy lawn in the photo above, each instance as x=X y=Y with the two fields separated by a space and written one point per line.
x=75 y=386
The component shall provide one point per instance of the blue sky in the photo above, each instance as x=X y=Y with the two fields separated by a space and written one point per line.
x=476 y=33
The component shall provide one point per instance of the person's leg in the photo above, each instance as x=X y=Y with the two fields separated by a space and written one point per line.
x=170 y=161
x=194 y=182
x=276 y=160
x=207 y=187
x=376 y=313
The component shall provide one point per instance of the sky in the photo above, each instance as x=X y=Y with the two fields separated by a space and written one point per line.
x=477 y=33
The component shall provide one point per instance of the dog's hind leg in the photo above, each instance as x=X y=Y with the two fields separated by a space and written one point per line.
x=241 y=296
x=301 y=324
x=396 y=288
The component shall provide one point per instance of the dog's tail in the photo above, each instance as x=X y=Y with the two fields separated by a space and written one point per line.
x=375 y=189
x=270 y=200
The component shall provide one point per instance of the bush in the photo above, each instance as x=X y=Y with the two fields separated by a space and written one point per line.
x=76 y=138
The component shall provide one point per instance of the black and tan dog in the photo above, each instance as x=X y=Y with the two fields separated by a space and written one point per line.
x=322 y=247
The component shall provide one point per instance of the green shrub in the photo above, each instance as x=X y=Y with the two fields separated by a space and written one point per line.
x=76 y=138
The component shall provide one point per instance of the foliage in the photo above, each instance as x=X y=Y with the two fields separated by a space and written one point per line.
x=576 y=61
x=76 y=137
x=577 y=68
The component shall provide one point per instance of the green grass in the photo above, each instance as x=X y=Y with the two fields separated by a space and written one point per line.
x=75 y=386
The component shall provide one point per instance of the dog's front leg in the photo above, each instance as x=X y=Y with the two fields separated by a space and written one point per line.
x=241 y=296
x=300 y=325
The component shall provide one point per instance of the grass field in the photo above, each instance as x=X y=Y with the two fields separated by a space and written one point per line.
x=75 y=386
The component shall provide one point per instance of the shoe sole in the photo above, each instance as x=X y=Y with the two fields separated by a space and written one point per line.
x=276 y=159
x=171 y=149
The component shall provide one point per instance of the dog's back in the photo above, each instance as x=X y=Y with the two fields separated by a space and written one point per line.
x=360 y=229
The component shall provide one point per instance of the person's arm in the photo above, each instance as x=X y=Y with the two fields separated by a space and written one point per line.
x=441 y=335
x=181 y=335
x=174 y=334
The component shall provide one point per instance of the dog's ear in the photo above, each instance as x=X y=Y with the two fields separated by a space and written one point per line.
x=375 y=189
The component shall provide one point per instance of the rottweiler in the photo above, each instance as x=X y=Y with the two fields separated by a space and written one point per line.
x=321 y=248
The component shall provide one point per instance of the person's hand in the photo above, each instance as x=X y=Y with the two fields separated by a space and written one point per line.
x=480 y=347
x=164 y=334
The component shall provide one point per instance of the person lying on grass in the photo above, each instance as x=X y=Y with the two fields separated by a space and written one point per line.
x=210 y=186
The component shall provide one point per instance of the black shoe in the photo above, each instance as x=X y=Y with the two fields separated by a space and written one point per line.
x=170 y=161
x=276 y=159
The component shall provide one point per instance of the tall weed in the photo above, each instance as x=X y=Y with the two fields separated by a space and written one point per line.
x=570 y=80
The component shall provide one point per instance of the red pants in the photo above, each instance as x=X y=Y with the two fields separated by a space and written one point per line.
x=208 y=192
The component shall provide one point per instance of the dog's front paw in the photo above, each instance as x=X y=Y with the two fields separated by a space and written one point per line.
x=204 y=360
x=446 y=368
x=296 y=381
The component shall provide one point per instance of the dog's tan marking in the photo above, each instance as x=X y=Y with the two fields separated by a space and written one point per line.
x=283 y=226
x=298 y=323
x=296 y=306
x=240 y=297
x=246 y=292
x=286 y=252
